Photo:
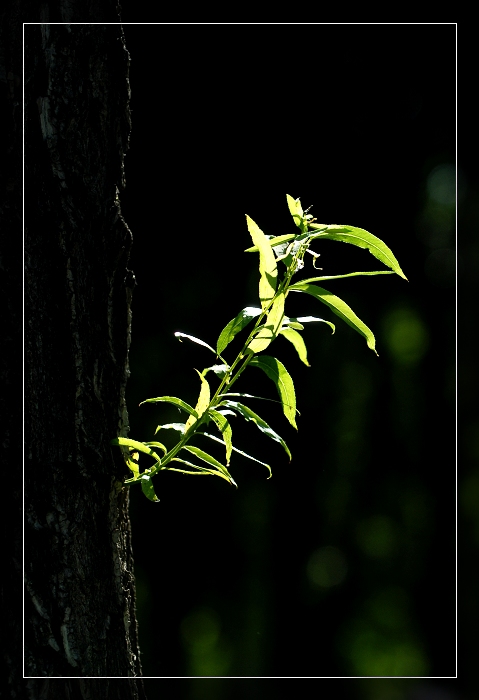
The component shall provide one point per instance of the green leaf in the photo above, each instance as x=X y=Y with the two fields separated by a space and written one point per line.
x=225 y=429
x=268 y=332
x=176 y=402
x=195 y=340
x=273 y=240
x=340 y=308
x=157 y=444
x=235 y=326
x=250 y=415
x=363 y=239
x=295 y=322
x=139 y=446
x=296 y=210
x=235 y=449
x=205 y=457
x=147 y=488
x=200 y=470
x=349 y=274
x=288 y=323
x=131 y=459
x=179 y=427
x=203 y=401
x=248 y=396
x=297 y=341
x=276 y=371
x=267 y=264
x=219 y=370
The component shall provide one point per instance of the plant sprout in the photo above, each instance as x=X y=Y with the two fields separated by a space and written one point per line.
x=265 y=323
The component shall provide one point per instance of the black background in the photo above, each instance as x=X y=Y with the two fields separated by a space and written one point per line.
x=353 y=119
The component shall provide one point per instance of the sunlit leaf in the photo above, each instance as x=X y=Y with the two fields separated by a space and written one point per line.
x=205 y=457
x=225 y=429
x=219 y=370
x=313 y=319
x=298 y=343
x=157 y=444
x=201 y=470
x=139 y=446
x=288 y=323
x=179 y=427
x=349 y=274
x=235 y=449
x=273 y=241
x=271 y=328
x=176 y=402
x=340 y=308
x=194 y=340
x=363 y=239
x=131 y=459
x=235 y=326
x=267 y=264
x=296 y=210
x=250 y=415
x=147 y=488
x=297 y=323
x=278 y=373
x=203 y=401
x=248 y=396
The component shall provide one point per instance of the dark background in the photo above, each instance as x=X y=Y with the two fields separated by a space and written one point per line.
x=343 y=564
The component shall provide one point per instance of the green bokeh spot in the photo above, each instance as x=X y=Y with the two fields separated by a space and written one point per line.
x=406 y=336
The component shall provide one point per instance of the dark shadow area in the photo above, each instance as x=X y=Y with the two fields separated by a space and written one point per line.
x=343 y=564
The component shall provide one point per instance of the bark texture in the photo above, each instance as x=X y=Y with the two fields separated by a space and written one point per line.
x=79 y=599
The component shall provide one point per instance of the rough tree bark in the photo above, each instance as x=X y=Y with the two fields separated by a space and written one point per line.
x=79 y=599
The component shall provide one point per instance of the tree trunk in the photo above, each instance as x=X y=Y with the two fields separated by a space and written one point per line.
x=80 y=598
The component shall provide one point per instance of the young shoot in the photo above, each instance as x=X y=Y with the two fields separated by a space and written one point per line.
x=261 y=324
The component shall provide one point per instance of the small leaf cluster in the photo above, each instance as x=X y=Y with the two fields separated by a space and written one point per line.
x=266 y=322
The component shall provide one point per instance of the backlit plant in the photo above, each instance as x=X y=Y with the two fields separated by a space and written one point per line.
x=265 y=323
